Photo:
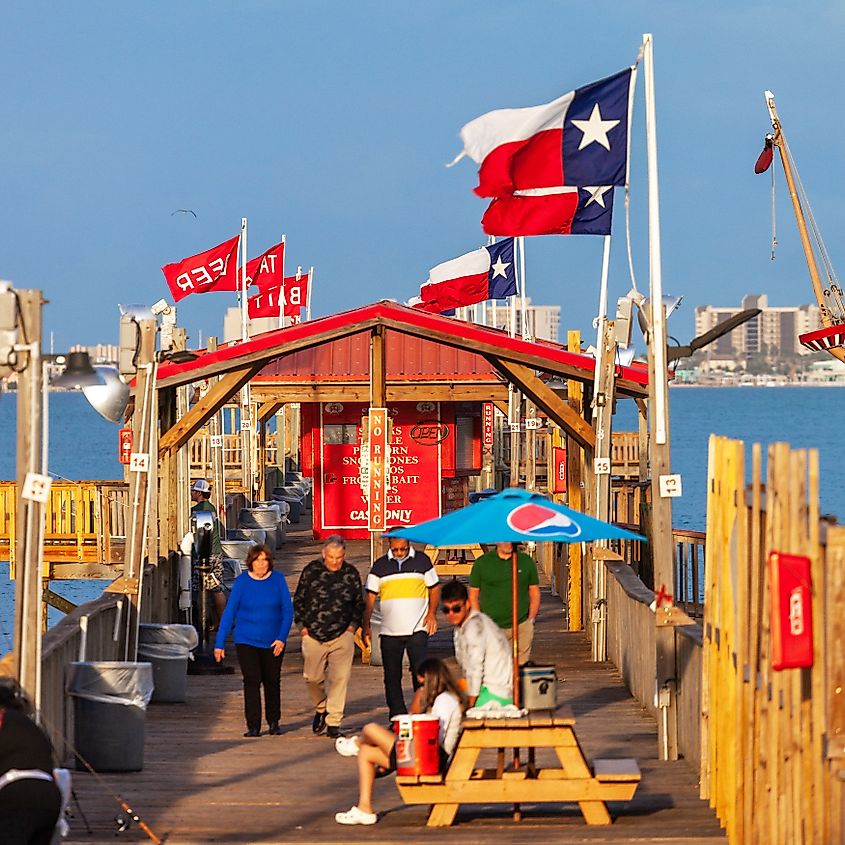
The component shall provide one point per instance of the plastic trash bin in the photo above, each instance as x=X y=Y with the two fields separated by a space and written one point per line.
x=237 y=549
x=375 y=638
x=168 y=648
x=477 y=496
x=109 y=710
x=231 y=569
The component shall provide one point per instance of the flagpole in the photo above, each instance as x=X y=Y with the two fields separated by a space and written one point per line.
x=661 y=515
x=308 y=294
x=244 y=332
x=526 y=334
x=281 y=306
x=602 y=316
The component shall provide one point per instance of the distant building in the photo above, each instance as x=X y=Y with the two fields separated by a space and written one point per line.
x=775 y=329
x=100 y=353
x=543 y=320
x=232 y=327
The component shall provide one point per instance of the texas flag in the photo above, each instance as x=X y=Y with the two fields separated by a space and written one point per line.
x=485 y=273
x=551 y=211
x=578 y=139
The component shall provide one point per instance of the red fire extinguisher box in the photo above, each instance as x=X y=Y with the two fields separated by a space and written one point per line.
x=792 y=615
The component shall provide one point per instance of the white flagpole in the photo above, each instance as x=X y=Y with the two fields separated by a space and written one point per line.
x=602 y=317
x=308 y=293
x=244 y=333
x=282 y=287
x=657 y=316
x=526 y=333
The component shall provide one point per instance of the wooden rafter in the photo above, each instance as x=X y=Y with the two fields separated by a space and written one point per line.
x=268 y=409
x=544 y=397
x=210 y=403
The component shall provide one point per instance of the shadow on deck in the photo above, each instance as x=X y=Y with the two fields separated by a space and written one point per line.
x=203 y=782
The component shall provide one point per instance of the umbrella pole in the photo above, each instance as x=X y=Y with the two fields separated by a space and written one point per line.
x=517 y=814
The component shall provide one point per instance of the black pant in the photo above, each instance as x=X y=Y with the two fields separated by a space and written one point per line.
x=259 y=666
x=392 y=651
x=28 y=812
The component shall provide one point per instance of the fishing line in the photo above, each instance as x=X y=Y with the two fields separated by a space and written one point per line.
x=133 y=816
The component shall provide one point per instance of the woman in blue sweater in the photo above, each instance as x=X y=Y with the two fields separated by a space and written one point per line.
x=261 y=610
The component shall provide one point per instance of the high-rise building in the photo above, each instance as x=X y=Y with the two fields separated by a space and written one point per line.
x=543 y=321
x=774 y=330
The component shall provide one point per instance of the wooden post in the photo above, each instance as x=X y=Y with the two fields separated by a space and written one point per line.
x=515 y=420
x=530 y=446
x=29 y=514
x=183 y=454
x=574 y=493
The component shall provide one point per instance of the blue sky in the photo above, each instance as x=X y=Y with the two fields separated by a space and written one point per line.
x=332 y=123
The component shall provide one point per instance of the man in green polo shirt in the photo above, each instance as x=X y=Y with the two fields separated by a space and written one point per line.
x=490 y=592
x=201 y=497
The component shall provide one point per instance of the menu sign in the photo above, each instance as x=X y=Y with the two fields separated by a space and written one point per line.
x=411 y=488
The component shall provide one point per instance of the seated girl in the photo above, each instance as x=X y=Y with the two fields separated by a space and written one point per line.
x=376 y=747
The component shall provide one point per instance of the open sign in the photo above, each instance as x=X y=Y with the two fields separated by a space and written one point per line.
x=429 y=432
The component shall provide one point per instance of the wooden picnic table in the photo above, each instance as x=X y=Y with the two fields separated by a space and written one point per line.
x=454 y=560
x=590 y=785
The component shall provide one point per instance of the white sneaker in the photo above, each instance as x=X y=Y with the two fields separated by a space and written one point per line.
x=355 y=816
x=347 y=746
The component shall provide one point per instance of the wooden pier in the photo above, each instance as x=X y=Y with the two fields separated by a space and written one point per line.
x=203 y=782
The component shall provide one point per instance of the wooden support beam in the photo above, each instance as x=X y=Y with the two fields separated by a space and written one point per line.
x=213 y=400
x=546 y=398
x=267 y=409
x=359 y=391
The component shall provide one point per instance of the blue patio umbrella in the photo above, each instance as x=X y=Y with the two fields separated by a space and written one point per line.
x=513 y=516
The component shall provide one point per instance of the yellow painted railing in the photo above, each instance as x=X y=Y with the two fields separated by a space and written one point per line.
x=85 y=522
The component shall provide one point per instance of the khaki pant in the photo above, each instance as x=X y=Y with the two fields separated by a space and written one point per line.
x=328 y=665
x=525 y=632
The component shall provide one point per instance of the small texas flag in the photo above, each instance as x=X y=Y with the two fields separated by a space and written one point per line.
x=485 y=273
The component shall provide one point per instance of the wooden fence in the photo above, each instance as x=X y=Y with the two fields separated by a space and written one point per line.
x=772 y=742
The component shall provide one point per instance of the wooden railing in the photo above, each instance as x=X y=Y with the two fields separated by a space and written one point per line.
x=625 y=454
x=85 y=522
x=201 y=454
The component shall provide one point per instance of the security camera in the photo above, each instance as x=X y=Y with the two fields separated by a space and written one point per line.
x=161 y=307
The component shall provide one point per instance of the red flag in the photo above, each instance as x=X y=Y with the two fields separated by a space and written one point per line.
x=266 y=270
x=296 y=294
x=212 y=270
x=264 y=304
x=764 y=160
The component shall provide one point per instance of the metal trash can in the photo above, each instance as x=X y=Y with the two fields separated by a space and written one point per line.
x=257 y=535
x=267 y=518
x=236 y=549
x=168 y=648
x=109 y=710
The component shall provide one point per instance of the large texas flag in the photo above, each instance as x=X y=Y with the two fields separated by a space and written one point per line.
x=485 y=273
x=551 y=211
x=578 y=139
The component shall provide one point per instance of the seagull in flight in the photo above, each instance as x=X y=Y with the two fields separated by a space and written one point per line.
x=183 y=211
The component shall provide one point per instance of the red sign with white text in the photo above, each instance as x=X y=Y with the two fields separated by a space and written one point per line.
x=412 y=492
x=378 y=477
x=213 y=270
x=488 y=415
x=296 y=294
x=264 y=304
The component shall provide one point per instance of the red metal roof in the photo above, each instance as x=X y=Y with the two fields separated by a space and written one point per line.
x=407 y=358
x=457 y=334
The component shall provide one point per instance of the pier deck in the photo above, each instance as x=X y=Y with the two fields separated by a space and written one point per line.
x=203 y=782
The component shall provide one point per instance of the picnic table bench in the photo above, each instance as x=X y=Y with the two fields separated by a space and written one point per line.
x=454 y=560
x=590 y=785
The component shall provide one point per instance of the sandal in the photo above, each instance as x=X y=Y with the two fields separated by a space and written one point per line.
x=355 y=816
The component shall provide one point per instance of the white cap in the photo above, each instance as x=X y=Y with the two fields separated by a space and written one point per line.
x=201 y=486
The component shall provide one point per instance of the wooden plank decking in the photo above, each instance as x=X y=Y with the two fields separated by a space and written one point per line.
x=203 y=782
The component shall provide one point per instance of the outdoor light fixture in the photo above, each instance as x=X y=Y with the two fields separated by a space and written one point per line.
x=110 y=398
x=78 y=372
x=673 y=353
x=670 y=303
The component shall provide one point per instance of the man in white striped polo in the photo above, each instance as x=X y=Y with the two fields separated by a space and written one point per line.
x=406 y=582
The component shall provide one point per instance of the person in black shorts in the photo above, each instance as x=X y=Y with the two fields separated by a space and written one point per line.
x=30 y=801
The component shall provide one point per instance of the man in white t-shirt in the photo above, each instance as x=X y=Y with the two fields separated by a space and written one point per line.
x=406 y=583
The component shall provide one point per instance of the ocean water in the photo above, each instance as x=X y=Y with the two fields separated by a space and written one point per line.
x=84 y=446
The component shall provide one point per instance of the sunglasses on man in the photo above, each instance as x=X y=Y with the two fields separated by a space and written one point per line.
x=449 y=609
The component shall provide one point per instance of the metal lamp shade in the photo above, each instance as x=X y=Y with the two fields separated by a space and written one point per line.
x=110 y=398
x=78 y=372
